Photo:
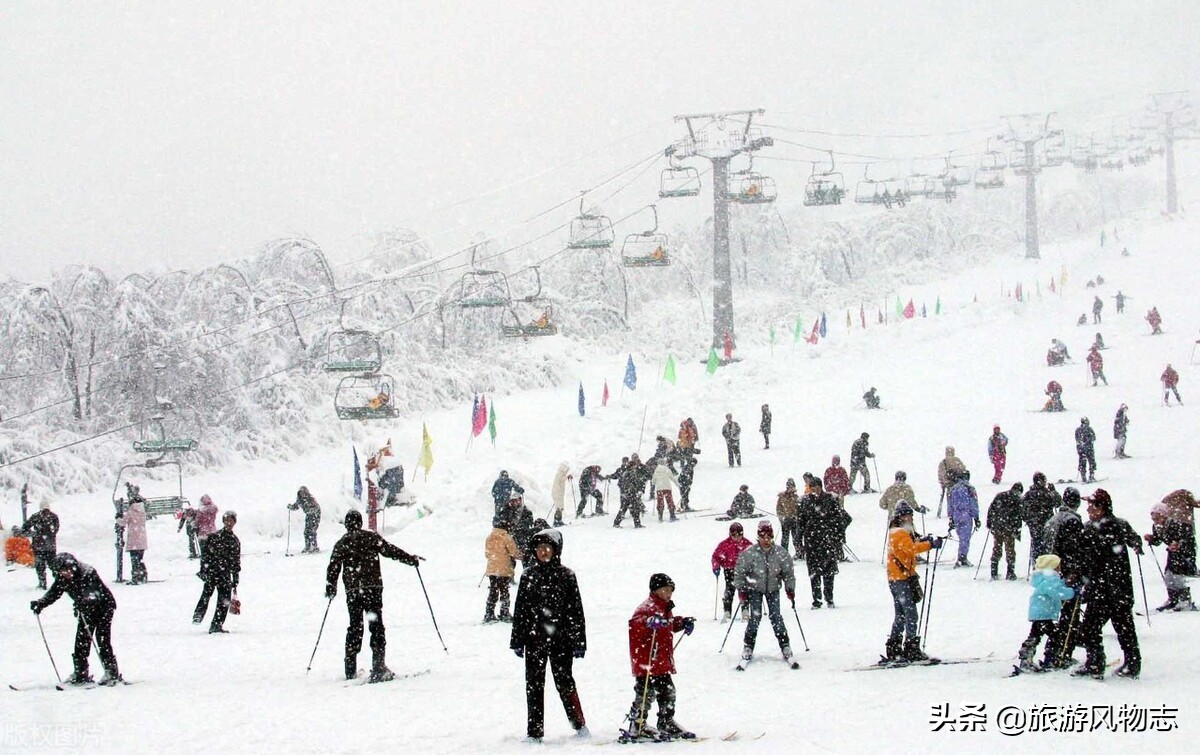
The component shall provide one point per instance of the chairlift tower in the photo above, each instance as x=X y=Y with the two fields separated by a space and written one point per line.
x=1168 y=105
x=719 y=137
x=1028 y=132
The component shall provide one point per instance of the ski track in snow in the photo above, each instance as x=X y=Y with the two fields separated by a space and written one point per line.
x=945 y=381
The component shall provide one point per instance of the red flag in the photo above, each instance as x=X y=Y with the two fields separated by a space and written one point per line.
x=1051 y=284
x=480 y=420
x=604 y=398
x=909 y=310
x=813 y=338
x=862 y=314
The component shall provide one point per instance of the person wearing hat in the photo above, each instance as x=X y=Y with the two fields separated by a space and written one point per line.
x=764 y=426
x=502 y=493
x=859 y=453
x=502 y=554
x=743 y=504
x=1121 y=431
x=1062 y=536
x=732 y=433
x=761 y=570
x=786 y=507
x=652 y=657
x=903 y=546
x=1108 y=590
x=1045 y=610
x=836 y=482
x=220 y=568
x=1085 y=449
x=724 y=558
x=947 y=468
x=42 y=530
x=1038 y=505
x=962 y=506
x=94 y=609
x=1004 y=522
x=549 y=629
x=312 y=518
x=1180 y=541
x=998 y=453
x=898 y=491
x=358 y=551
x=133 y=519
x=822 y=524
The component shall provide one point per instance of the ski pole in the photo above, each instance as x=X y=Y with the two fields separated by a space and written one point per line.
x=287 y=551
x=716 y=594
x=982 y=554
x=929 y=603
x=428 y=603
x=802 y=637
x=320 y=632
x=732 y=621
x=846 y=547
x=480 y=583
x=886 y=530
x=941 y=500
x=57 y=675
x=1062 y=654
x=878 y=479
x=1142 y=578
x=1160 y=569
x=640 y=723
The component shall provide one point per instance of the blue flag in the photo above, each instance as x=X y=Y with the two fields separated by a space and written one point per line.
x=822 y=325
x=581 y=403
x=357 y=476
x=630 y=374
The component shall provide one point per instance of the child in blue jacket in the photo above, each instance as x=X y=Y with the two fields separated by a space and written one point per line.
x=1045 y=607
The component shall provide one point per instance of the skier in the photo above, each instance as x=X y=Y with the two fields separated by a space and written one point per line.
x=786 y=509
x=1120 y=430
x=732 y=432
x=558 y=489
x=631 y=481
x=836 y=482
x=764 y=426
x=134 y=522
x=903 y=546
x=663 y=478
x=1054 y=403
x=1108 y=590
x=947 y=467
x=42 y=530
x=1170 y=384
x=743 y=504
x=761 y=570
x=688 y=434
x=871 y=399
x=1099 y=342
x=859 y=453
x=523 y=527
x=962 y=506
x=502 y=554
x=187 y=523
x=1045 y=610
x=687 y=473
x=822 y=523
x=1155 y=320
x=652 y=657
x=1121 y=298
x=502 y=493
x=220 y=568
x=1085 y=448
x=1063 y=535
x=1180 y=541
x=206 y=521
x=1057 y=354
x=1096 y=363
x=94 y=607
x=725 y=558
x=359 y=551
x=312 y=518
x=589 y=486
x=1038 y=505
x=997 y=449
x=1004 y=522
x=391 y=479
x=899 y=491
x=1097 y=306
x=549 y=628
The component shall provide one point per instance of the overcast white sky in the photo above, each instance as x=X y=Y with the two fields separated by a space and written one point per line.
x=177 y=134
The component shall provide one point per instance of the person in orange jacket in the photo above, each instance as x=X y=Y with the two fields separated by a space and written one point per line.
x=652 y=657
x=903 y=545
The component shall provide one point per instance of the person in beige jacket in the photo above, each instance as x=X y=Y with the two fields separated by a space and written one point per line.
x=951 y=465
x=502 y=554
x=900 y=490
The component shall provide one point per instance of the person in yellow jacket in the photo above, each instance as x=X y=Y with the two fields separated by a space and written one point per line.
x=502 y=554
x=903 y=545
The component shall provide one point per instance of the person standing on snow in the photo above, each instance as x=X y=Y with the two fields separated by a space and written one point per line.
x=631 y=481
x=221 y=569
x=732 y=432
x=1085 y=449
x=761 y=570
x=822 y=523
x=1004 y=522
x=1096 y=363
x=502 y=555
x=947 y=467
x=962 y=506
x=1097 y=307
x=859 y=453
x=502 y=493
x=786 y=508
x=1180 y=541
x=558 y=490
x=312 y=518
x=899 y=491
x=94 y=607
x=589 y=486
x=549 y=628
x=652 y=658
x=1063 y=537
x=356 y=557
x=1121 y=299
x=836 y=482
x=998 y=453
x=903 y=547
x=1038 y=505
x=764 y=426
x=1155 y=320
x=42 y=530
x=1045 y=611
x=724 y=558
x=1121 y=430
x=1170 y=384
x=663 y=478
x=134 y=522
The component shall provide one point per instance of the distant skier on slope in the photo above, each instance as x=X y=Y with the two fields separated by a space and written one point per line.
x=1054 y=404
x=1121 y=430
x=997 y=448
x=859 y=453
x=1170 y=384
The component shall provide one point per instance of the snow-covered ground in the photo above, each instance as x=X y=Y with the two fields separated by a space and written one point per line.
x=945 y=380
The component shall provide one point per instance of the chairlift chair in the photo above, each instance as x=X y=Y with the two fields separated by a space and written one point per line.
x=162 y=444
x=825 y=188
x=646 y=249
x=920 y=185
x=749 y=187
x=352 y=351
x=366 y=397
x=868 y=190
x=590 y=231
x=542 y=326
x=678 y=181
x=957 y=175
x=482 y=289
x=989 y=178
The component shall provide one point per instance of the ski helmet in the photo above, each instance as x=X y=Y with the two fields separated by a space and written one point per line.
x=353 y=520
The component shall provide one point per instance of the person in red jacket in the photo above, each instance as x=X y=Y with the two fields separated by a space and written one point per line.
x=837 y=481
x=725 y=557
x=652 y=658
x=1096 y=362
x=1155 y=320
x=1170 y=381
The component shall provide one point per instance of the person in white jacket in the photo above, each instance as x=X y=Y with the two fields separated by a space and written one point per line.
x=664 y=477
x=558 y=489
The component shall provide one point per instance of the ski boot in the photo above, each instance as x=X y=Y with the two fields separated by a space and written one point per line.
x=912 y=650
x=1011 y=574
x=727 y=617
x=1091 y=668
x=79 y=678
x=637 y=733
x=583 y=732
x=351 y=667
x=747 y=654
x=489 y=619
x=380 y=674
x=1130 y=669
x=892 y=650
x=668 y=730
x=112 y=677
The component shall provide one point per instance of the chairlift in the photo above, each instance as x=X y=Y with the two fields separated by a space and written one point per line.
x=366 y=397
x=483 y=289
x=678 y=180
x=868 y=190
x=748 y=187
x=590 y=231
x=352 y=351
x=161 y=505
x=543 y=325
x=825 y=188
x=956 y=175
x=646 y=249
x=920 y=185
x=1017 y=161
x=1054 y=153
x=989 y=178
x=162 y=444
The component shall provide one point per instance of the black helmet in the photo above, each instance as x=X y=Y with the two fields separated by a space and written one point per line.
x=64 y=561
x=1070 y=497
x=353 y=520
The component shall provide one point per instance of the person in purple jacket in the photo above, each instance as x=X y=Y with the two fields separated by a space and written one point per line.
x=963 y=509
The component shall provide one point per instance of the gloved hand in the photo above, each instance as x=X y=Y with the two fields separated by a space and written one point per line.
x=791 y=595
x=922 y=509
x=330 y=591
x=951 y=524
x=925 y=539
x=578 y=652
x=35 y=606
x=742 y=596
x=414 y=560
x=976 y=523
x=1148 y=537
x=1173 y=547
x=716 y=571
x=520 y=652
x=936 y=543
x=689 y=624
x=657 y=622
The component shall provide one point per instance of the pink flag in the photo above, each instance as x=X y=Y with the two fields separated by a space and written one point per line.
x=480 y=421
x=604 y=397
x=909 y=310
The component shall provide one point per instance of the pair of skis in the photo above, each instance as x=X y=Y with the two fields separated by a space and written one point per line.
x=789 y=660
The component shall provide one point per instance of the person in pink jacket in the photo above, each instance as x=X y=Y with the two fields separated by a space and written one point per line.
x=206 y=520
x=134 y=522
x=725 y=557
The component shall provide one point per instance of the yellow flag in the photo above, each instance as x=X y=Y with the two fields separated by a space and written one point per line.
x=426 y=458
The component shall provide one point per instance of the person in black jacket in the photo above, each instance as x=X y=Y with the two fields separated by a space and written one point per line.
x=504 y=489
x=1180 y=541
x=359 y=551
x=764 y=426
x=822 y=524
x=1038 y=505
x=1085 y=449
x=94 y=607
x=312 y=518
x=1108 y=587
x=859 y=453
x=589 y=485
x=1063 y=536
x=42 y=530
x=631 y=481
x=548 y=627
x=1004 y=521
x=220 y=568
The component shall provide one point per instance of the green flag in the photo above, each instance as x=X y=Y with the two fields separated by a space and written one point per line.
x=799 y=331
x=669 y=373
x=899 y=308
x=492 y=423
x=772 y=334
x=937 y=308
x=713 y=362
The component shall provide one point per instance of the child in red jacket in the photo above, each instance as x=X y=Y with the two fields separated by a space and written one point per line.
x=725 y=557
x=652 y=656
